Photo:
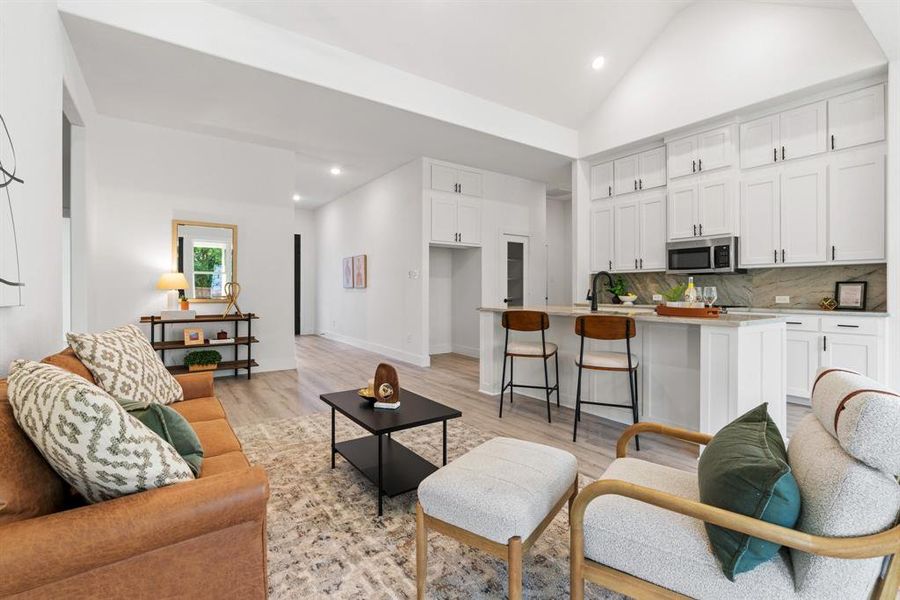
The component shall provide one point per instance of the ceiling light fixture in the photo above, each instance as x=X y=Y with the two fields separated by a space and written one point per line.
x=598 y=63
x=296 y=197
x=335 y=170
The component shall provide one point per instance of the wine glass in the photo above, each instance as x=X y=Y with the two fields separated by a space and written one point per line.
x=710 y=295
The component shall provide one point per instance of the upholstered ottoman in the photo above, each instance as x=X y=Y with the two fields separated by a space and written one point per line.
x=498 y=497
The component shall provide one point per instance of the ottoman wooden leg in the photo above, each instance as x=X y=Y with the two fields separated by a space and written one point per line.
x=515 y=568
x=421 y=552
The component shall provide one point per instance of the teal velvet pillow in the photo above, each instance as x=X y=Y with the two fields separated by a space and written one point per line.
x=165 y=422
x=744 y=469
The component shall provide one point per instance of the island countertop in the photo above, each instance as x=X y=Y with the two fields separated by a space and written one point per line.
x=648 y=315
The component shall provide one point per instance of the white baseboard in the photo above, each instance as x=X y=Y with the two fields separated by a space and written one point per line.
x=415 y=359
x=470 y=351
x=440 y=349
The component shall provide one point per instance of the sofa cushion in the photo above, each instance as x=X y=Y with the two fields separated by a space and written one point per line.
x=500 y=489
x=172 y=427
x=124 y=364
x=87 y=437
x=68 y=360
x=862 y=414
x=667 y=548
x=28 y=486
x=841 y=497
x=224 y=463
x=216 y=437
x=200 y=409
x=744 y=469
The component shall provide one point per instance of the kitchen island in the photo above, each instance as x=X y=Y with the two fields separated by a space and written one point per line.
x=694 y=373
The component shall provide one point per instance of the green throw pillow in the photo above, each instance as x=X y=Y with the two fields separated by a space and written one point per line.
x=165 y=422
x=744 y=469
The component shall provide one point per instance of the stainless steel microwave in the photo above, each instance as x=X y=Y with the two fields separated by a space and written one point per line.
x=716 y=255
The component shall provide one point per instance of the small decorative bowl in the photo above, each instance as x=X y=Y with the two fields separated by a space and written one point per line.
x=629 y=299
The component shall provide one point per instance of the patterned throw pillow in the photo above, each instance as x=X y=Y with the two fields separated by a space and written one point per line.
x=87 y=437
x=124 y=364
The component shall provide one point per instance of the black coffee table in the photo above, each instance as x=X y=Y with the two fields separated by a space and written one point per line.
x=391 y=466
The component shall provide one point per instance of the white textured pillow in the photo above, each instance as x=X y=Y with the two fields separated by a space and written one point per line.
x=124 y=364
x=87 y=437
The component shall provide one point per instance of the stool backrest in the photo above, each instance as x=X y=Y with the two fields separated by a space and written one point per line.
x=605 y=327
x=526 y=320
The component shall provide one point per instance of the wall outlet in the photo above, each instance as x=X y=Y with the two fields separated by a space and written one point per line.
x=657 y=298
x=782 y=299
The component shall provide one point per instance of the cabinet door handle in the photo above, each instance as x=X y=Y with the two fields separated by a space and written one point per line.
x=776 y=255
x=460 y=237
x=782 y=255
x=610 y=265
x=700 y=164
x=695 y=230
x=824 y=343
x=774 y=154
x=642 y=263
x=848 y=326
x=635 y=264
x=693 y=166
x=701 y=228
x=832 y=141
x=832 y=252
x=635 y=184
x=782 y=153
x=610 y=192
x=794 y=323
x=640 y=184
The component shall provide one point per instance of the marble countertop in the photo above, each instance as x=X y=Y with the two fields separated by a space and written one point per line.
x=771 y=311
x=647 y=314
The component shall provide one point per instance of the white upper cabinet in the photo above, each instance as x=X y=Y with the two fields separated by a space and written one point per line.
x=627 y=239
x=857 y=205
x=652 y=230
x=469 y=221
x=760 y=235
x=627 y=173
x=715 y=215
x=803 y=131
x=602 y=181
x=683 y=211
x=682 y=157
x=601 y=236
x=444 y=218
x=653 y=168
x=759 y=142
x=856 y=118
x=455 y=181
x=710 y=150
x=803 y=214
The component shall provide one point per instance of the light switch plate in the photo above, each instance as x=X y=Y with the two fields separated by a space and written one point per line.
x=782 y=299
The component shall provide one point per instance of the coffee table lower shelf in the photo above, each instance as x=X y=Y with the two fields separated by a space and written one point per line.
x=402 y=470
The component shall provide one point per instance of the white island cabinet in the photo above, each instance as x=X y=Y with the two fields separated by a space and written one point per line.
x=695 y=373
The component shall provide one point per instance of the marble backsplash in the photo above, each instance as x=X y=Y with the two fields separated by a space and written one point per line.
x=806 y=286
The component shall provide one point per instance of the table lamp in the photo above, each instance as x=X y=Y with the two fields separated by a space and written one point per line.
x=172 y=282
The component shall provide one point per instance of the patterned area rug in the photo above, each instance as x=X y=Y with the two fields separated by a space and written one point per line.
x=325 y=540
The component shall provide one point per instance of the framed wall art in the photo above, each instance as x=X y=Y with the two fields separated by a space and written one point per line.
x=360 y=274
x=347 y=272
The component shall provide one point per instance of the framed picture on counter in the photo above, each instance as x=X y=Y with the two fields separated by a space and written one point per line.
x=850 y=295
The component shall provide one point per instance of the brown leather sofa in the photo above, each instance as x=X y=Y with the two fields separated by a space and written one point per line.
x=200 y=539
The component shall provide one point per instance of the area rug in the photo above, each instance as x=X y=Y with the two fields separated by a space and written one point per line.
x=325 y=539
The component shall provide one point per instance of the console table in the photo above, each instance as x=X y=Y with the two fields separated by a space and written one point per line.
x=237 y=364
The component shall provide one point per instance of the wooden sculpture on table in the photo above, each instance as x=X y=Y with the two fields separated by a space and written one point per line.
x=232 y=291
x=387 y=385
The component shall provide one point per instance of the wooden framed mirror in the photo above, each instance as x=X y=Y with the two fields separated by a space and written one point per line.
x=207 y=255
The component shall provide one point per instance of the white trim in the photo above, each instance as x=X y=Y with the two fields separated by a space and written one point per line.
x=409 y=357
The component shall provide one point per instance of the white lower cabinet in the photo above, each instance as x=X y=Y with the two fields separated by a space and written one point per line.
x=803 y=349
x=855 y=352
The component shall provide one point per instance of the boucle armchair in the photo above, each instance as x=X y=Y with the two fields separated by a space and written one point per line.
x=639 y=529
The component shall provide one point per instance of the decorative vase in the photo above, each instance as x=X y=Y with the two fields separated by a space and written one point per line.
x=210 y=367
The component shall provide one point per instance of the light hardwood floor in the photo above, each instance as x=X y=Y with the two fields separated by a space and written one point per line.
x=324 y=366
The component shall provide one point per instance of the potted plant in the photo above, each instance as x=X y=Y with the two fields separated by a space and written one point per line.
x=674 y=293
x=183 y=301
x=620 y=291
x=202 y=360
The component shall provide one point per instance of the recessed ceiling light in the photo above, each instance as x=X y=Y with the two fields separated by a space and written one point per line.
x=598 y=63
x=296 y=197
x=335 y=170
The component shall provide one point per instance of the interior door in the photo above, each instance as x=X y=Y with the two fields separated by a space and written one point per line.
x=443 y=178
x=602 y=181
x=626 y=236
x=803 y=214
x=653 y=232
x=714 y=149
x=652 y=168
x=682 y=159
x=759 y=142
x=514 y=269
x=760 y=227
x=626 y=172
x=715 y=202
x=469 y=220
x=856 y=118
x=601 y=237
x=682 y=211
x=803 y=131
x=803 y=350
x=444 y=224
x=857 y=206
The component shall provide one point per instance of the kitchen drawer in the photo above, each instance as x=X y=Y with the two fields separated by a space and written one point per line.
x=854 y=325
x=802 y=322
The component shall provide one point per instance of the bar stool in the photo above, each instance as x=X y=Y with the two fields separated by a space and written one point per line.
x=603 y=327
x=528 y=320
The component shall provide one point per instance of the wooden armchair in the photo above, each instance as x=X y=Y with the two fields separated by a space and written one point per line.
x=636 y=582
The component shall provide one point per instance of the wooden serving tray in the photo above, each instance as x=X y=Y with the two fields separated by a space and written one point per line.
x=695 y=313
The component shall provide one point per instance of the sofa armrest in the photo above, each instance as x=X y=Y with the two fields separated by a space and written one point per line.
x=196 y=385
x=647 y=427
x=53 y=547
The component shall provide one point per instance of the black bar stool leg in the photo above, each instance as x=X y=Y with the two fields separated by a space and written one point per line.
x=557 y=378
x=577 y=406
x=512 y=377
x=503 y=384
x=547 y=387
x=634 y=407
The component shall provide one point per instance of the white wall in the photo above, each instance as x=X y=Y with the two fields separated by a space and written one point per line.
x=382 y=219
x=717 y=57
x=559 y=251
x=31 y=68
x=305 y=225
x=145 y=177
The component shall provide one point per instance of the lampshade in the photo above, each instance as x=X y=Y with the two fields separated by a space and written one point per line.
x=172 y=281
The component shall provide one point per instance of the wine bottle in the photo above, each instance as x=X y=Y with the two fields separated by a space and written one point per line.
x=690 y=294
